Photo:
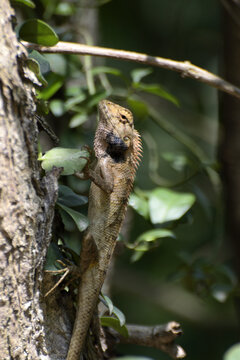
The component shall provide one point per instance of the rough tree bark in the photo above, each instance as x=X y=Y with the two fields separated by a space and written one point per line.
x=26 y=206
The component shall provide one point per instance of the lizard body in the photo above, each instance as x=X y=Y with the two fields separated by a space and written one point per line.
x=117 y=149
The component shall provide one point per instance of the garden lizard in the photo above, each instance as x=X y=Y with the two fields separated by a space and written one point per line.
x=117 y=147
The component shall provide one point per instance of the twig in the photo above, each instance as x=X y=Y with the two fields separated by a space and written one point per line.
x=161 y=337
x=65 y=271
x=184 y=67
x=47 y=128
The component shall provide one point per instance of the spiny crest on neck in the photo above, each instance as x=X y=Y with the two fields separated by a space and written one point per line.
x=137 y=149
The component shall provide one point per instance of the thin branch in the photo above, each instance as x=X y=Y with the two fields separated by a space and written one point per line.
x=161 y=337
x=184 y=67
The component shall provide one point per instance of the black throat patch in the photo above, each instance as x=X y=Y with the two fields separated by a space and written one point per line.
x=116 y=148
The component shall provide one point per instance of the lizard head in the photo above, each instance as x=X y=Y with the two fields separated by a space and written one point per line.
x=117 y=130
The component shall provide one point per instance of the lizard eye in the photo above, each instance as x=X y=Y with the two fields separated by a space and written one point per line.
x=126 y=138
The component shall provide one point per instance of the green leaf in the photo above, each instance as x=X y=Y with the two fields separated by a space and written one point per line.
x=58 y=64
x=80 y=220
x=168 y=205
x=115 y=324
x=178 y=161
x=107 y=302
x=53 y=254
x=120 y=315
x=28 y=3
x=42 y=61
x=106 y=70
x=142 y=243
x=35 y=67
x=119 y=92
x=65 y=9
x=138 y=74
x=57 y=107
x=113 y=309
x=71 y=160
x=70 y=244
x=73 y=90
x=39 y=65
x=137 y=255
x=233 y=353
x=96 y=98
x=155 y=234
x=38 y=32
x=78 y=120
x=139 y=108
x=156 y=90
x=140 y=204
x=69 y=198
x=68 y=222
x=70 y=103
x=55 y=82
x=140 y=247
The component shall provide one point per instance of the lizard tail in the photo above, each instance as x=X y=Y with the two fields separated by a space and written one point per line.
x=88 y=292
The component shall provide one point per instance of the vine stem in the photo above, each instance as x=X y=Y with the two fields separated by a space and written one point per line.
x=185 y=68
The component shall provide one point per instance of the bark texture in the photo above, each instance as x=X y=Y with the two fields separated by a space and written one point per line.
x=26 y=205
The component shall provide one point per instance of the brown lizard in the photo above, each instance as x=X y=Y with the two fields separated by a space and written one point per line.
x=117 y=149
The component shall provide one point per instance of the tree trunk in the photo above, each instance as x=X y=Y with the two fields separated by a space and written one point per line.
x=230 y=131
x=26 y=206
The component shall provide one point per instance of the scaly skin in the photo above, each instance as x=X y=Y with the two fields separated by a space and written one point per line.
x=117 y=148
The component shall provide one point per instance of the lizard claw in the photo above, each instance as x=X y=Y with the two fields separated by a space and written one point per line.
x=88 y=148
x=84 y=174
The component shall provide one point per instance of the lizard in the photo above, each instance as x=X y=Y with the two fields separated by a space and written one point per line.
x=117 y=147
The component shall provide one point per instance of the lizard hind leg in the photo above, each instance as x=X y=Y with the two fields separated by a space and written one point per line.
x=89 y=252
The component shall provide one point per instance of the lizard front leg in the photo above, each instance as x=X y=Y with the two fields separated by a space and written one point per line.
x=100 y=173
